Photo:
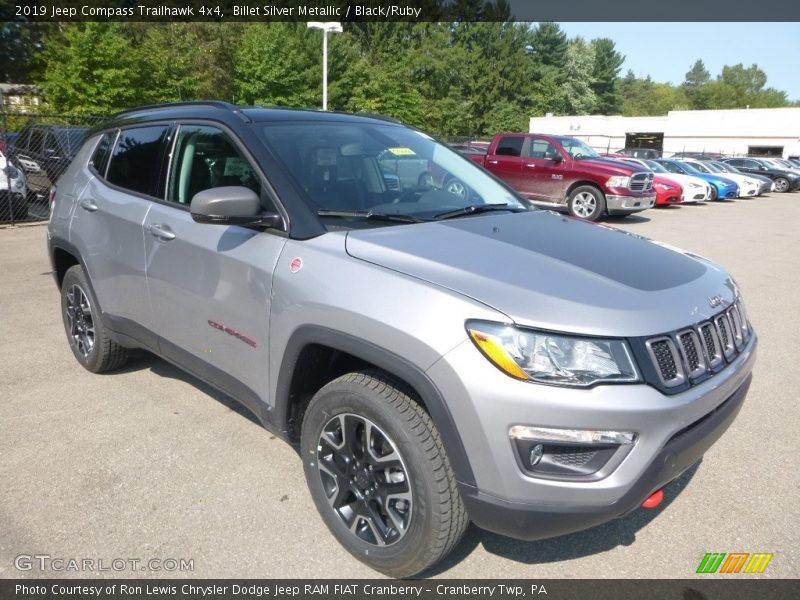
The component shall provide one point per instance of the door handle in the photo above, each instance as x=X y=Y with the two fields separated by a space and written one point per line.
x=162 y=232
x=530 y=165
x=88 y=204
x=492 y=162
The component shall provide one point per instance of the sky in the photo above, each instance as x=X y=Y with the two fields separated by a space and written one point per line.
x=666 y=51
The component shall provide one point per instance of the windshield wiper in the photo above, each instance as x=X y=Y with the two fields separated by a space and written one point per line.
x=369 y=215
x=475 y=209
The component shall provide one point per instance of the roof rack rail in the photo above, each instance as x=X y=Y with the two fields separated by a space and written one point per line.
x=211 y=103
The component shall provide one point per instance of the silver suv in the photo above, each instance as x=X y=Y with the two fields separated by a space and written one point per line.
x=438 y=355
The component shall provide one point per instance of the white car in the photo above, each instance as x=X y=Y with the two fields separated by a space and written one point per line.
x=694 y=188
x=13 y=191
x=748 y=187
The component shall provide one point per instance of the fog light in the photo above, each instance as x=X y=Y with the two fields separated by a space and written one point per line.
x=536 y=454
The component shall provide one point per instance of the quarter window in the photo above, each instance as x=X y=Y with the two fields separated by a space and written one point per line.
x=101 y=154
x=204 y=158
x=136 y=160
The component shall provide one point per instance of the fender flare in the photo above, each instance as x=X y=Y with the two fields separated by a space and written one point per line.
x=391 y=363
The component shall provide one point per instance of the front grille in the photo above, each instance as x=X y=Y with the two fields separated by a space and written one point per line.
x=392 y=184
x=641 y=182
x=693 y=353
x=667 y=361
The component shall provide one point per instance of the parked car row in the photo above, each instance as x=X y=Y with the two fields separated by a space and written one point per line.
x=13 y=191
x=564 y=173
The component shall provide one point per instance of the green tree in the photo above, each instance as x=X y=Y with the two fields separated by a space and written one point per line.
x=91 y=68
x=644 y=97
x=605 y=74
x=695 y=86
x=278 y=63
x=579 y=98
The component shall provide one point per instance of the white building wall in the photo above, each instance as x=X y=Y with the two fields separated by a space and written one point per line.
x=726 y=131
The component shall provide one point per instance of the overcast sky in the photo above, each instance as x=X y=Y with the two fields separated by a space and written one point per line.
x=665 y=51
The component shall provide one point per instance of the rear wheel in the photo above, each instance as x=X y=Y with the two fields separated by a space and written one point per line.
x=781 y=184
x=379 y=476
x=587 y=203
x=88 y=339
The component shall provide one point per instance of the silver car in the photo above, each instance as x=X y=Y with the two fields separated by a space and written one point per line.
x=436 y=358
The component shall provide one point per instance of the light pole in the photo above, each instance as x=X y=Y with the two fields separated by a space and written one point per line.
x=335 y=27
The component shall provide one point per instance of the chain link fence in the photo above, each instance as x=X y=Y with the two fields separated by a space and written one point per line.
x=35 y=149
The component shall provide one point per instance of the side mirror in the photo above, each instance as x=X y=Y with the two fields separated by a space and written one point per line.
x=557 y=158
x=231 y=205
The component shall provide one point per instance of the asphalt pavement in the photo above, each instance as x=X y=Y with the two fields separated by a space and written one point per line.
x=149 y=464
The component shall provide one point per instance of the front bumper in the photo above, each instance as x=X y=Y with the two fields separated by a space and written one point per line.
x=673 y=433
x=530 y=522
x=625 y=205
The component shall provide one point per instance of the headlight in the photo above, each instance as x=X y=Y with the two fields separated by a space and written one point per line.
x=618 y=181
x=553 y=358
x=694 y=185
x=663 y=186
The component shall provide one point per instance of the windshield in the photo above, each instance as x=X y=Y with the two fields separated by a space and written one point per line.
x=577 y=148
x=699 y=167
x=689 y=168
x=713 y=168
x=654 y=166
x=374 y=169
x=725 y=167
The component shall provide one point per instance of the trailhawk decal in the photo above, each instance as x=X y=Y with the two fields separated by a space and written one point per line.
x=230 y=331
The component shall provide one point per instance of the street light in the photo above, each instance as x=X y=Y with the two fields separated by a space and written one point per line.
x=335 y=27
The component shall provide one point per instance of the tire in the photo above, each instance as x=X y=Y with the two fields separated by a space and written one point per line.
x=88 y=339
x=427 y=517
x=714 y=193
x=425 y=180
x=781 y=185
x=456 y=187
x=586 y=202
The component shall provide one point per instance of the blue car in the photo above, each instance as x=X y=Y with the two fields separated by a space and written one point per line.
x=722 y=188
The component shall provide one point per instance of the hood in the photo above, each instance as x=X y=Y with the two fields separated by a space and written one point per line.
x=610 y=166
x=549 y=271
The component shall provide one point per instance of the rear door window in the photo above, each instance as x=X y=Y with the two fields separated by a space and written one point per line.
x=137 y=159
x=510 y=146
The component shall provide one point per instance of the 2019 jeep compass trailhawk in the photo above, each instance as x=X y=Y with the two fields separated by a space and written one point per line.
x=437 y=355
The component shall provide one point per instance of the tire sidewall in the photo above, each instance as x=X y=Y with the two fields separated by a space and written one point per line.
x=76 y=276
x=600 y=202
x=348 y=397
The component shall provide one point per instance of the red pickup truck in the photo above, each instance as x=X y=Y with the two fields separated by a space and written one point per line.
x=562 y=172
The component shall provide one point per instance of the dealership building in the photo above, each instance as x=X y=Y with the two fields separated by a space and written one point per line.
x=756 y=131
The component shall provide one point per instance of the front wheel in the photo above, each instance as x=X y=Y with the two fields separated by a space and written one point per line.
x=587 y=203
x=379 y=476
x=457 y=188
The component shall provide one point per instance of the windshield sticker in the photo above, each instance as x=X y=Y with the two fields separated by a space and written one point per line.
x=402 y=151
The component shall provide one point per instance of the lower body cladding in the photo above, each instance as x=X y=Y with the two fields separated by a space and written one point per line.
x=627 y=442
x=625 y=205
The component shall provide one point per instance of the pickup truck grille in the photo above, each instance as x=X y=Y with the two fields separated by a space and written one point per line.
x=641 y=182
x=691 y=354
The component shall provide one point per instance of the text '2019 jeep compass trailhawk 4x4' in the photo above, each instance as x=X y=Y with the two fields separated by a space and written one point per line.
x=436 y=357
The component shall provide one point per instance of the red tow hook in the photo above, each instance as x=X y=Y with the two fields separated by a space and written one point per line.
x=654 y=499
